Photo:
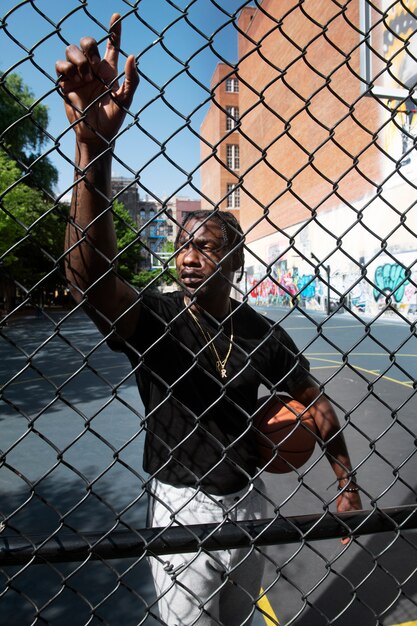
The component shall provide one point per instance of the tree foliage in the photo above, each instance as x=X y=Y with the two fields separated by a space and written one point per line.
x=23 y=124
x=128 y=242
x=31 y=226
x=31 y=230
x=131 y=253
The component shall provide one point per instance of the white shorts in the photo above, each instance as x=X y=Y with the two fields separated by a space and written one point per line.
x=206 y=588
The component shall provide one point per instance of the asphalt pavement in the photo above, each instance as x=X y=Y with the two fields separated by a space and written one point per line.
x=369 y=372
x=71 y=423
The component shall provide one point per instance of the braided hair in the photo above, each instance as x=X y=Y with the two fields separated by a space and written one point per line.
x=233 y=236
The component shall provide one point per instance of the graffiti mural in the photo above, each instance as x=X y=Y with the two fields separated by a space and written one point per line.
x=390 y=279
x=307 y=286
x=283 y=286
x=399 y=26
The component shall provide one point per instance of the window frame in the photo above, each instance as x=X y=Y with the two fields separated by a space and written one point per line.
x=232 y=85
x=233 y=196
x=232 y=117
x=233 y=156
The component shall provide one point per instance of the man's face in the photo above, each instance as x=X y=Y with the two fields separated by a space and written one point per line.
x=201 y=248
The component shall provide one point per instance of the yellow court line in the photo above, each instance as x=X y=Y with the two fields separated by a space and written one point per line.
x=310 y=355
x=333 y=367
x=268 y=612
x=405 y=383
x=401 y=354
x=264 y=604
x=271 y=619
x=327 y=327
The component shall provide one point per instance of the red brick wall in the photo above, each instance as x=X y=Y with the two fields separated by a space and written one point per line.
x=299 y=105
x=214 y=173
x=185 y=205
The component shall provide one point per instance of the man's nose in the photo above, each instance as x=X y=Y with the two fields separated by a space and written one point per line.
x=191 y=255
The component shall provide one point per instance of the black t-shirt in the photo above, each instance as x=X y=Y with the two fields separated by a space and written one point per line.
x=198 y=425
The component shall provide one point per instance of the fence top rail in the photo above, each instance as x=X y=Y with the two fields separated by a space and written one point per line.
x=135 y=543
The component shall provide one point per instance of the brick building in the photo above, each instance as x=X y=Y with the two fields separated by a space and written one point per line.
x=220 y=150
x=318 y=167
x=155 y=225
x=125 y=190
x=182 y=206
x=297 y=142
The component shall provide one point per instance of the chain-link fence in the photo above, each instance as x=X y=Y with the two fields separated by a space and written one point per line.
x=138 y=481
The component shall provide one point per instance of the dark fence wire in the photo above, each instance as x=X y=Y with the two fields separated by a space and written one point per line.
x=17 y=289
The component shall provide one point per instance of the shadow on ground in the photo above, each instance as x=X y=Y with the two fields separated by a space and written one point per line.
x=116 y=592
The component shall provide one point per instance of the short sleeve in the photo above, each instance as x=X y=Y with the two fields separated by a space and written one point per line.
x=290 y=364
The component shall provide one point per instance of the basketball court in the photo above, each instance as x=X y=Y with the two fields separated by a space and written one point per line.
x=314 y=579
x=318 y=579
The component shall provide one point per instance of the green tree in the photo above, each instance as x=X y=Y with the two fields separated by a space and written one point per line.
x=31 y=232
x=23 y=124
x=162 y=276
x=131 y=252
x=130 y=256
x=170 y=273
x=128 y=242
x=144 y=277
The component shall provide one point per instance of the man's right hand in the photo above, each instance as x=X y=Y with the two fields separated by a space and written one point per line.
x=86 y=79
x=96 y=106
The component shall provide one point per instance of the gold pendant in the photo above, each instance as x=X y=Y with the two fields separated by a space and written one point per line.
x=221 y=369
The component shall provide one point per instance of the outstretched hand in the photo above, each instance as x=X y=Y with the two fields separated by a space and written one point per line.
x=94 y=102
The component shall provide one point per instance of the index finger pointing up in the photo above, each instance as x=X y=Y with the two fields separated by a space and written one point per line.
x=113 y=42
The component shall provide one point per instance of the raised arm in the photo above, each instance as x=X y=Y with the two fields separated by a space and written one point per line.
x=96 y=106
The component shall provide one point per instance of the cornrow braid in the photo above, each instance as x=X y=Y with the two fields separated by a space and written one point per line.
x=232 y=232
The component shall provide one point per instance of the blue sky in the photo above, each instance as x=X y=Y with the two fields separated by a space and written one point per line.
x=38 y=45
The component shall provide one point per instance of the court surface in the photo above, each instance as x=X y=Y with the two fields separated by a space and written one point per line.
x=56 y=381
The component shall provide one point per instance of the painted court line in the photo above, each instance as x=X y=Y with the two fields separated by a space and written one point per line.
x=401 y=354
x=264 y=604
x=332 y=363
x=267 y=611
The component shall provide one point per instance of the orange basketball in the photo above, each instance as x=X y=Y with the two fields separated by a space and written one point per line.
x=285 y=434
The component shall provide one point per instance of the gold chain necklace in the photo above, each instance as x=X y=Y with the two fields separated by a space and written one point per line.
x=220 y=364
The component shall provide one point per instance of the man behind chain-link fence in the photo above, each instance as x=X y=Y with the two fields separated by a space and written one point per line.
x=200 y=357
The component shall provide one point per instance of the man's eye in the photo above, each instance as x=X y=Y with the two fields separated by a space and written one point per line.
x=203 y=246
x=211 y=249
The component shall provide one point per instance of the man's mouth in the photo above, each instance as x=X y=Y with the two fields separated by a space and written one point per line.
x=192 y=279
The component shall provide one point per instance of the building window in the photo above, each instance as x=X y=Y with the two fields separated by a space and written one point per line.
x=233 y=196
x=232 y=117
x=232 y=85
x=232 y=156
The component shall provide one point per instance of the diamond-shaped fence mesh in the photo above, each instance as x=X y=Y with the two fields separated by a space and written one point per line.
x=208 y=314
